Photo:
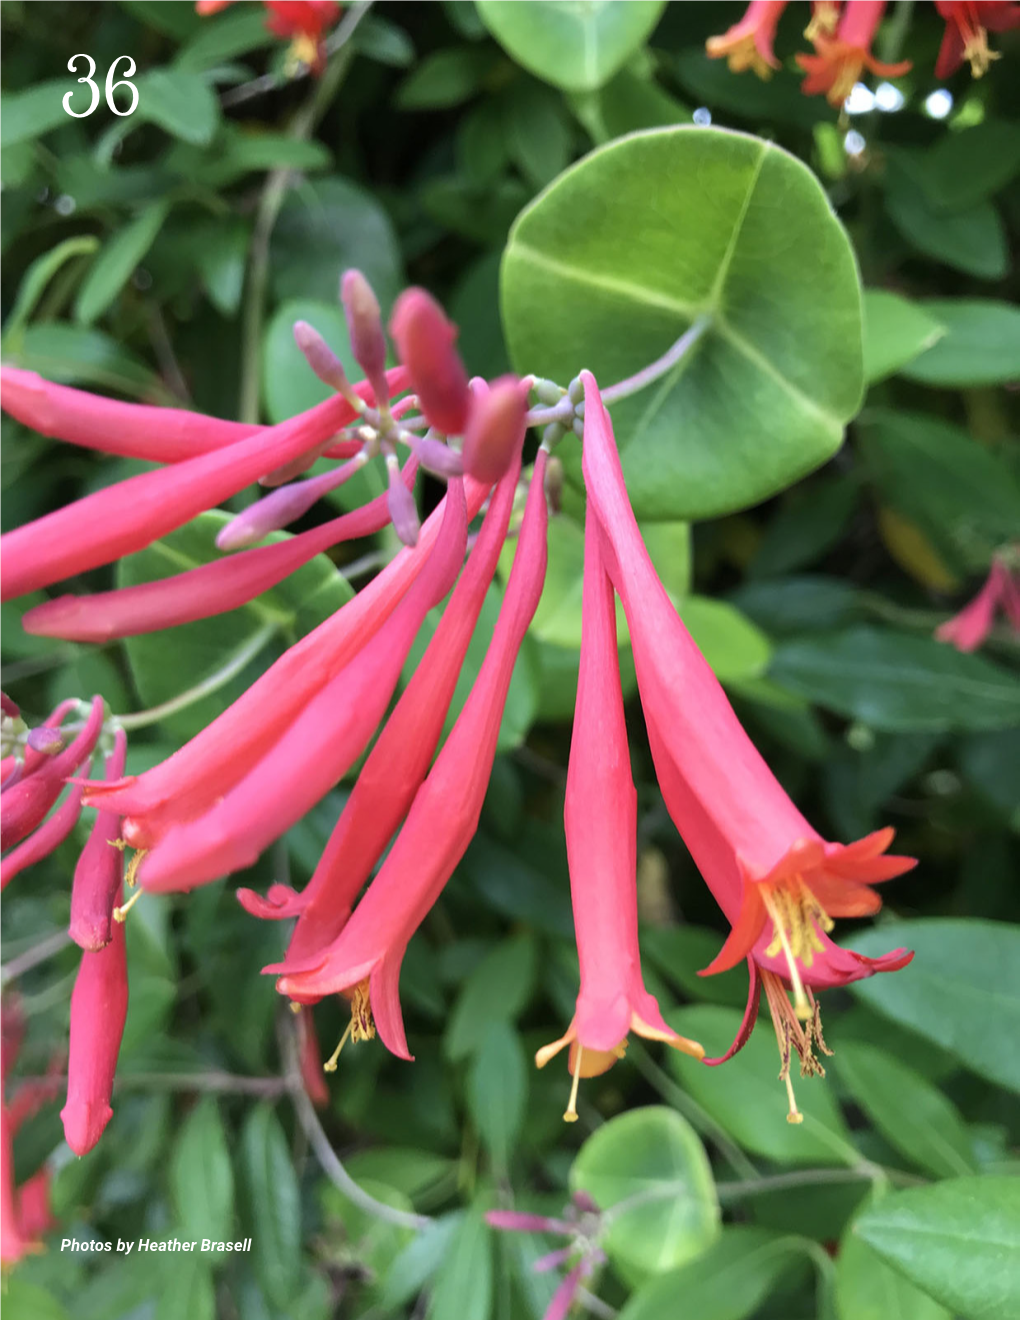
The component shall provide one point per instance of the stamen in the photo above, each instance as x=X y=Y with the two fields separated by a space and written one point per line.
x=571 y=1115
x=120 y=913
x=800 y=1002
x=331 y=1062
x=794 y=1116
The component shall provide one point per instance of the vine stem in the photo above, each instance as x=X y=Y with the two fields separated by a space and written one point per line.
x=38 y=953
x=143 y=718
x=624 y=388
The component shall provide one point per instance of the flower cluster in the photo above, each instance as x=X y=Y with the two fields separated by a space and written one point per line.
x=304 y=22
x=218 y=802
x=842 y=36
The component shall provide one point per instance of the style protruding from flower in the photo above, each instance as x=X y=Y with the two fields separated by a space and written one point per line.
x=748 y=44
x=777 y=881
x=841 y=58
x=968 y=23
x=969 y=629
x=600 y=817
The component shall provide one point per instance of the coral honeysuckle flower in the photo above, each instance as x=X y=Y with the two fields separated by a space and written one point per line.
x=305 y=22
x=777 y=881
x=99 y=873
x=824 y=19
x=600 y=816
x=24 y=1211
x=397 y=764
x=842 y=58
x=968 y=23
x=425 y=339
x=748 y=44
x=1001 y=591
x=364 y=961
x=131 y=514
x=318 y=748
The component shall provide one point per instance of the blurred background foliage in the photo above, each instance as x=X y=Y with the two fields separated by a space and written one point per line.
x=164 y=256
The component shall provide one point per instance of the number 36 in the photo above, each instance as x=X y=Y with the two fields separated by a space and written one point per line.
x=111 y=86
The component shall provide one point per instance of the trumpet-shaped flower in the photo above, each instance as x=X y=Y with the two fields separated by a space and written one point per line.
x=601 y=826
x=777 y=881
x=748 y=44
x=968 y=23
x=364 y=961
x=1001 y=591
x=842 y=58
x=99 y=873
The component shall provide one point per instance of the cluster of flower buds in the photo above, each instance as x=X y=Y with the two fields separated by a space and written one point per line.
x=842 y=37
x=218 y=802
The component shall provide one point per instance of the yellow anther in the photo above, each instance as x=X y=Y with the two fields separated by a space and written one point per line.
x=360 y=1027
x=120 y=913
x=794 y=1116
x=571 y=1115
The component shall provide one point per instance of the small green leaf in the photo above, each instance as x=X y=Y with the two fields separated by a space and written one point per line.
x=746 y=1097
x=463 y=1282
x=445 y=78
x=960 y=991
x=201 y=1178
x=116 y=263
x=958 y=1240
x=574 y=46
x=31 y=114
x=972 y=240
x=762 y=398
x=648 y=1171
x=182 y=103
x=735 y=647
x=229 y=35
x=38 y=276
x=537 y=132
x=497 y=1091
x=867 y=1289
x=418 y=1261
x=496 y=991
x=274 y=1205
x=192 y=1294
x=981 y=345
x=911 y=1114
x=898 y=682
x=967 y=166
x=896 y=331
x=27 y=1301
x=74 y=355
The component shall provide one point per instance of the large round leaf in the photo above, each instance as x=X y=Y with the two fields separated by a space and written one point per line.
x=574 y=44
x=620 y=255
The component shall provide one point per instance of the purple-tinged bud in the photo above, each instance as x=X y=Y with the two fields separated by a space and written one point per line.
x=425 y=341
x=400 y=501
x=45 y=740
x=98 y=1011
x=322 y=360
x=283 y=506
x=364 y=324
x=436 y=457
x=8 y=707
x=281 y=475
x=99 y=873
x=495 y=430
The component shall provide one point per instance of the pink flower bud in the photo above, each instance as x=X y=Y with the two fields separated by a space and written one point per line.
x=45 y=740
x=98 y=1012
x=495 y=430
x=98 y=875
x=425 y=341
x=403 y=510
x=321 y=358
x=9 y=707
x=364 y=324
x=436 y=457
x=283 y=506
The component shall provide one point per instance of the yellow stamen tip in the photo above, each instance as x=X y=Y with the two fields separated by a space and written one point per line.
x=798 y=1117
x=120 y=913
x=570 y=1116
x=329 y=1065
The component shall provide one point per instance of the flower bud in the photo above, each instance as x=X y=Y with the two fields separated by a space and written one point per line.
x=99 y=872
x=364 y=324
x=282 y=506
x=321 y=358
x=400 y=501
x=425 y=341
x=495 y=430
x=98 y=1012
x=45 y=740
x=438 y=458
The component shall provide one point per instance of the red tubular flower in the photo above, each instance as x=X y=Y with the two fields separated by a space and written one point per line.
x=24 y=1211
x=777 y=881
x=184 y=785
x=132 y=514
x=600 y=816
x=841 y=59
x=305 y=22
x=398 y=762
x=46 y=839
x=968 y=23
x=98 y=1012
x=99 y=873
x=748 y=44
x=198 y=593
x=26 y=804
x=969 y=629
x=364 y=961
x=425 y=341
x=320 y=746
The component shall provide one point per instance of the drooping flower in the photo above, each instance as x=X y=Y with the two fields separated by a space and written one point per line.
x=364 y=961
x=841 y=59
x=98 y=875
x=582 y=1225
x=968 y=23
x=304 y=21
x=600 y=817
x=777 y=881
x=748 y=44
x=1001 y=591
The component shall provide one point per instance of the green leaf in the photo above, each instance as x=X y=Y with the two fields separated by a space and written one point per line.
x=537 y=132
x=746 y=1097
x=965 y=167
x=973 y=240
x=182 y=103
x=627 y=103
x=238 y=152
x=229 y=35
x=274 y=1205
x=896 y=331
x=38 y=276
x=418 y=1261
x=463 y=1282
x=960 y=991
x=729 y=1281
x=574 y=46
x=221 y=260
x=648 y=1172
x=445 y=78
x=981 y=345
x=678 y=951
x=31 y=114
x=192 y=1294
x=116 y=263
x=804 y=603
x=496 y=991
x=27 y=1301
x=201 y=1179
x=867 y=1289
x=911 y=1114
x=497 y=1091
x=763 y=396
x=735 y=647
x=898 y=682
x=958 y=1240
x=74 y=355
x=385 y=42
